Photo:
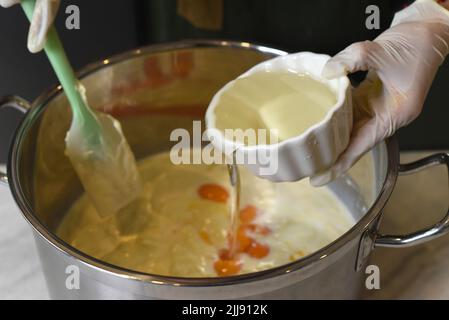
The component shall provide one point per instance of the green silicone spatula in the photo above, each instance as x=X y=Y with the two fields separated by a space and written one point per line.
x=95 y=143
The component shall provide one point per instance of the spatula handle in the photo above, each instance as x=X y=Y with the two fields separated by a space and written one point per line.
x=64 y=71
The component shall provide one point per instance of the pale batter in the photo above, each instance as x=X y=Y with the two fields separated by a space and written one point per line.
x=179 y=225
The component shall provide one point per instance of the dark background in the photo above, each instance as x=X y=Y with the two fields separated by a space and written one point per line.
x=110 y=27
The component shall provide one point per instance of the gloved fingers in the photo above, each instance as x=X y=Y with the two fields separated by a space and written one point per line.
x=43 y=16
x=356 y=57
x=365 y=95
x=362 y=140
x=441 y=43
x=8 y=3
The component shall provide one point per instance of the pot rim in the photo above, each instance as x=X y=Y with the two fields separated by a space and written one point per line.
x=320 y=256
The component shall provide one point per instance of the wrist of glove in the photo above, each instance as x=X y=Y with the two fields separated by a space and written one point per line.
x=8 y=3
x=43 y=17
x=402 y=64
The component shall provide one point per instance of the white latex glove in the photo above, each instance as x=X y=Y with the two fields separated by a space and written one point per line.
x=402 y=64
x=43 y=17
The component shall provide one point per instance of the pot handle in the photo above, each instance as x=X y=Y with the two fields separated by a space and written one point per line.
x=438 y=229
x=17 y=103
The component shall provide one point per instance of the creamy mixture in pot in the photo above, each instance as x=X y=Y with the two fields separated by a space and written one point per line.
x=179 y=225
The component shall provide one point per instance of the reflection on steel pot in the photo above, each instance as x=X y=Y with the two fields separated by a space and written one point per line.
x=137 y=87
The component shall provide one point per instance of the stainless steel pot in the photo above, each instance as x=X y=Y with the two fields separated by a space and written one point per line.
x=154 y=90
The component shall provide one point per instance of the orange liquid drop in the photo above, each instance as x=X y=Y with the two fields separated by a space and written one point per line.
x=227 y=264
x=244 y=241
x=227 y=267
x=257 y=250
x=248 y=214
x=213 y=192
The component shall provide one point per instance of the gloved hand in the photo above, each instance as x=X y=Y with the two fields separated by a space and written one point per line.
x=402 y=64
x=43 y=17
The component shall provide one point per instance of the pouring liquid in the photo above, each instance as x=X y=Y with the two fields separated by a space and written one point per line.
x=289 y=103
x=234 y=178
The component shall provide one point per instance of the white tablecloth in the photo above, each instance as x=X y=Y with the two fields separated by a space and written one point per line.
x=20 y=271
